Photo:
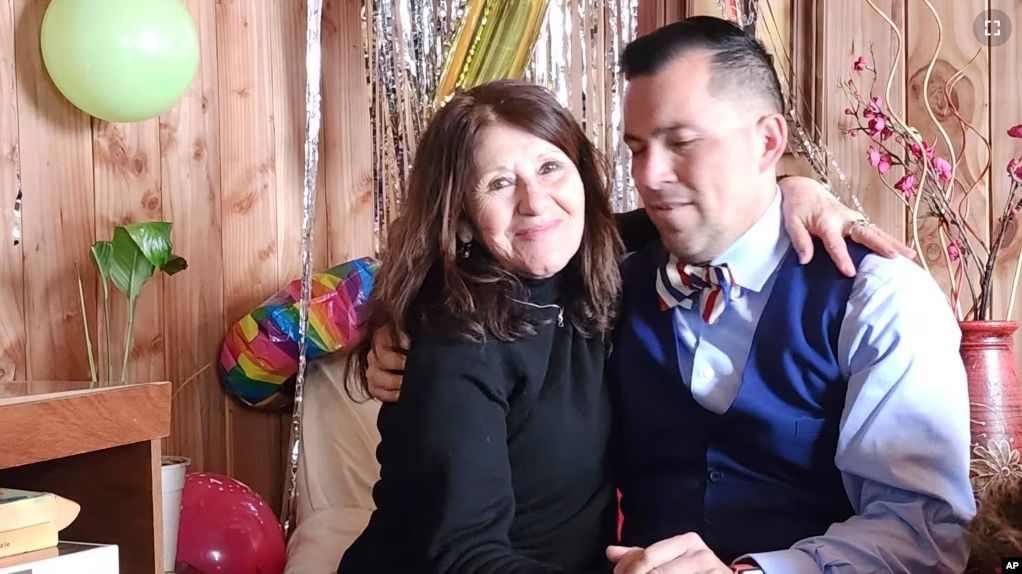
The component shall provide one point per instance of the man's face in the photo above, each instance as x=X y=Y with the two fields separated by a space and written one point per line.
x=699 y=162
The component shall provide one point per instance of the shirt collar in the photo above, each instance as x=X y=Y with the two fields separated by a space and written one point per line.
x=757 y=253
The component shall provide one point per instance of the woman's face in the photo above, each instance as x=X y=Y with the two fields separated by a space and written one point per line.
x=528 y=204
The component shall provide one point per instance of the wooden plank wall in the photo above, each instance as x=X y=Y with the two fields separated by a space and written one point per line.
x=225 y=166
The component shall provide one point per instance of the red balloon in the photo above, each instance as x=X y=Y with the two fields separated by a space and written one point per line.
x=226 y=528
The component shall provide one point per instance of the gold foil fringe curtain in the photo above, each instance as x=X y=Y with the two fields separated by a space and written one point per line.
x=407 y=43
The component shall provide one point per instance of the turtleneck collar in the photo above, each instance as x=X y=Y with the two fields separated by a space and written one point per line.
x=544 y=291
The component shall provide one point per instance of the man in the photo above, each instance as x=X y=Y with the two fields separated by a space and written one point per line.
x=788 y=418
x=774 y=416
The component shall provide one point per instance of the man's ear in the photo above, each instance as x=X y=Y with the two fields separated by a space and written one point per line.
x=773 y=135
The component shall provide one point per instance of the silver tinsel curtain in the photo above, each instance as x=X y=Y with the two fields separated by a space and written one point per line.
x=408 y=43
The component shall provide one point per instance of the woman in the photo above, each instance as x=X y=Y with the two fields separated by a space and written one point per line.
x=503 y=270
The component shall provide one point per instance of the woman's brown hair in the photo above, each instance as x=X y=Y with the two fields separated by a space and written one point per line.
x=423 y=281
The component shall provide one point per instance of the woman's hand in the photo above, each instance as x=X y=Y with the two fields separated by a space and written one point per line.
x=811 y=211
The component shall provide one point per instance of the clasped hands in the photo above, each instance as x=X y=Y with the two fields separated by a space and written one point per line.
x=684 y=554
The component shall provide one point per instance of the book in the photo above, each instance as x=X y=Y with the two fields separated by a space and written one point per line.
x=65 y=558
x=21 y=508
x=27 y=539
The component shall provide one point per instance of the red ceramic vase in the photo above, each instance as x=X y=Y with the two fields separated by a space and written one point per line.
x=995 y=406
x=995 y=401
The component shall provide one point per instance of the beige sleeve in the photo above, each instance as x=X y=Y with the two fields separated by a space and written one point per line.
x=336 y=473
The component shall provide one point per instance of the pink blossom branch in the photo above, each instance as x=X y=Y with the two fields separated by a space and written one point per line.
x=932 y=181
x=887 y=93
x=929 y=179
x=894 y=66
x=964 y=248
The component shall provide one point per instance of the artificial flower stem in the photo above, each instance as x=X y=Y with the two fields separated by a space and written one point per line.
x=106 y=329
x=88 y=339
x=1014 y=287
x=1014 y=281
x=898 y=52
x=127 y=339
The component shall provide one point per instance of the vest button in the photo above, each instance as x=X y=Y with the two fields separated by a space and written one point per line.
x=716 y=475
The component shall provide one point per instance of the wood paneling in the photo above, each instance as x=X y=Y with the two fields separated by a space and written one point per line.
x=194 y=300
x=226 y=165
x=59 y=216
x=12 y=282
x=250 y=241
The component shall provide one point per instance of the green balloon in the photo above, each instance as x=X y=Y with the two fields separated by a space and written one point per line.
x=120 y=60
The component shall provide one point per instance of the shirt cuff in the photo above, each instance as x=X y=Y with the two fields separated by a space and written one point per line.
x=783 y=562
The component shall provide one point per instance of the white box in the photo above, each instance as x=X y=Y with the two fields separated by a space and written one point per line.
x=65 y=558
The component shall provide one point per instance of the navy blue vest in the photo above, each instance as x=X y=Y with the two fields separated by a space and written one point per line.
x=761 y=476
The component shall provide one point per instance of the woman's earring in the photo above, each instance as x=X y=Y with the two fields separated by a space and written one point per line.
x=464 y=237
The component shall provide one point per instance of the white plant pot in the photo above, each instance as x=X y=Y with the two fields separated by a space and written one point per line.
x=173 y=475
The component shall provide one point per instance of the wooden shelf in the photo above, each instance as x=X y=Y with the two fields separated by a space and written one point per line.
x=100 y=448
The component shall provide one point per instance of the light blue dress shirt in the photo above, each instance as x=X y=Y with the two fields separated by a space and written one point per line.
x=904 y=443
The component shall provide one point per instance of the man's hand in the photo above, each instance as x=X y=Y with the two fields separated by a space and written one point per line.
x=386 y=365
x=811 y=211
x=685 y=554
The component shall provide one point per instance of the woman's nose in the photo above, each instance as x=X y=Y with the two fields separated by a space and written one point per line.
x=534 y=198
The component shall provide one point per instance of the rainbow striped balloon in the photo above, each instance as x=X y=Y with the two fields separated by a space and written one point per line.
x=259 y=357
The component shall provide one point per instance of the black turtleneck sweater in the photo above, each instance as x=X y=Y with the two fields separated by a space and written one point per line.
x=494 y=460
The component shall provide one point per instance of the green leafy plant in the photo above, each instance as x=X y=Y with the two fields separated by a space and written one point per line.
x=129 y=260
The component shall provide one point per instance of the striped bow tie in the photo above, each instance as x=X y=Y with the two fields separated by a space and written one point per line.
x=679 y=285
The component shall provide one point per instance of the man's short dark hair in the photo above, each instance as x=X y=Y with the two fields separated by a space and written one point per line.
x=740 y=65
